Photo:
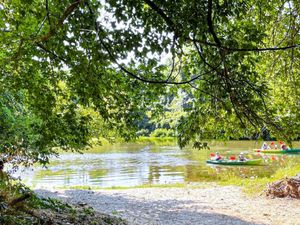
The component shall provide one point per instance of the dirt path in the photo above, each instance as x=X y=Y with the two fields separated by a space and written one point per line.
x=186 y=206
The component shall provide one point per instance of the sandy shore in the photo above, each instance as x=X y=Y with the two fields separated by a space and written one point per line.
x=186 y=206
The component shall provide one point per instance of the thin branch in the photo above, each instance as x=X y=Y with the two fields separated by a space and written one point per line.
x=217 y=43
x=258 y=92
x=173 y=66
x=144 y=79
x=41 y=46
x=200 y=53
x=261 y=49
x=48 y=13
x=211 y=95
x=237 y=113
x=167 y=19
x=173 y=60
x=210 y=24
x=179 y=69
x=97 y=29
x=41 y=26
x=18 y=53
x=60 y=22
x=223 y=102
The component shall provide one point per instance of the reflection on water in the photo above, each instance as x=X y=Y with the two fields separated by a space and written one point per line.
x=137 y=164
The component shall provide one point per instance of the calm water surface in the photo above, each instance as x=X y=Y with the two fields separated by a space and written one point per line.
x=138 y=164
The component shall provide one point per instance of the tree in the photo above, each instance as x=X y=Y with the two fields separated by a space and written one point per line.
x=111 y=54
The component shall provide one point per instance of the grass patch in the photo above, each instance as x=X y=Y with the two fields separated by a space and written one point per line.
x=255 y=185
x=157 y=140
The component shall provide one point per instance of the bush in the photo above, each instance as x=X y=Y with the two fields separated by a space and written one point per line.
x=143 y=132
x=161 y=132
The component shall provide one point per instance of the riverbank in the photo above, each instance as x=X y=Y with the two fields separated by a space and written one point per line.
x=20 y=206
x=185 y=206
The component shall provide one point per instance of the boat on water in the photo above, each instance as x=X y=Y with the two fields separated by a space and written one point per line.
x=235 y=162
x=291 y=150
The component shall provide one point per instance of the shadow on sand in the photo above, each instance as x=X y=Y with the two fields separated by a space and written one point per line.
x=136 y=211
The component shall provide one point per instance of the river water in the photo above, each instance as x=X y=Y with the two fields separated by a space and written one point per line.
x=130 y=164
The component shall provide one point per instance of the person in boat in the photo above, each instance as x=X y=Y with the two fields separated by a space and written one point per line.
x=232 y=158
x=3 y=175
x=265 y=146
x=1 y=164
x=242 y=157
x=217 y=157
x=284 y=147
x=273 y=145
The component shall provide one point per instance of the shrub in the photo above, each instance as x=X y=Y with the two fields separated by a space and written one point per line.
x=161 y=132
x=143 y=132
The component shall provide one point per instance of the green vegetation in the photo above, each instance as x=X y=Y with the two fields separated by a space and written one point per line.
x=19 y=205
x=74 y=71
x=255 y=185
x=157 y=140
x=161 y=132
x=216 y=70
x=18 y=202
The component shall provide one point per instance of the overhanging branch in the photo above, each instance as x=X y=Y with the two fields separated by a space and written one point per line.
x=217 y=44
x=167 y=19
x=210 y=24
x=48 y=13
x=144 y=79
x=261 y=49
x=53 y=54
x=53 y=30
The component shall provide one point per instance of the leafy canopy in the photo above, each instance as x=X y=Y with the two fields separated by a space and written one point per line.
x=236 y=60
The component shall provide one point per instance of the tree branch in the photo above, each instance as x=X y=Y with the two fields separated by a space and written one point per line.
x=167 y=19
x=217 y=43
x=54 y=30
x=260 y=49
x=40 y=27
x=211 y=95
x=210 y=24
x=50 y=52
x=48 y=13
x=199 y=50
x=144 y=79
x=173 y=60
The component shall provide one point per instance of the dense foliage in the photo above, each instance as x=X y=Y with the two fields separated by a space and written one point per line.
x=237 y=61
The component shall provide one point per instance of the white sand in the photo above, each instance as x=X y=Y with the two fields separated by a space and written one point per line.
x=186 y=206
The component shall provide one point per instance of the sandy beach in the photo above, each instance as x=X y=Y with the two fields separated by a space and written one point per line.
x=185 y=206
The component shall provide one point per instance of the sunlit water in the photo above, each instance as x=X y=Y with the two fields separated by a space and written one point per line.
x=138 y=164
